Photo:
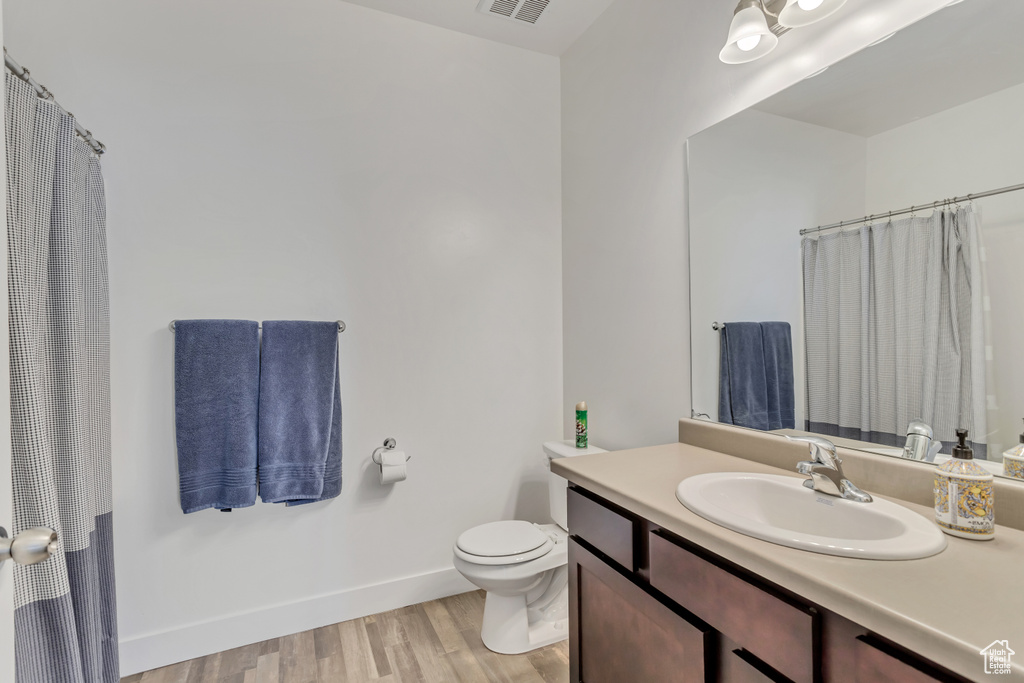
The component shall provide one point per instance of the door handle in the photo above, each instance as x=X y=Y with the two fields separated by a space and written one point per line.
x=31 y=546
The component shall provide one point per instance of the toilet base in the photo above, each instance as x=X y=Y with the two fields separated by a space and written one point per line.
x=516 y=624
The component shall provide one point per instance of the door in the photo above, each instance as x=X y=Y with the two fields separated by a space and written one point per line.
x=6 y=498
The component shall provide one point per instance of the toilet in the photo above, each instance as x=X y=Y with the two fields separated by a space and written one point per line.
x=523 y=568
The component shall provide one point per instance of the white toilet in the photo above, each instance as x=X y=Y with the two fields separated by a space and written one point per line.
x=523 y=568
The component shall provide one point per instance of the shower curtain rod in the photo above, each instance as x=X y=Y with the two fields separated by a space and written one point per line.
x=41 y=90
x=933 y=205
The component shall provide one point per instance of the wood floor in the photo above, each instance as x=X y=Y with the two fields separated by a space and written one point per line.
x=436 y=641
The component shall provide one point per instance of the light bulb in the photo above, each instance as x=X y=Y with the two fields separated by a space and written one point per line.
x=749 y=43
x=799 y=13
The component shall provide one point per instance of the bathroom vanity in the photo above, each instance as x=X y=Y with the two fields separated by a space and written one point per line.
x=658 y=593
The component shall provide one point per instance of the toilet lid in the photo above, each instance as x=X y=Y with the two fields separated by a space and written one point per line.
x=501 y=539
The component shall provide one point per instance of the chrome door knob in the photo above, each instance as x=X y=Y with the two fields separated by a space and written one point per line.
x=31 y=546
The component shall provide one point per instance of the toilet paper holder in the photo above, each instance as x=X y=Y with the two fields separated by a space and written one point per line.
x=389 y=445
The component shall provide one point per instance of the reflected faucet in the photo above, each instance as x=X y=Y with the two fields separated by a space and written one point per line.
x=825 y=470
x=920 y=444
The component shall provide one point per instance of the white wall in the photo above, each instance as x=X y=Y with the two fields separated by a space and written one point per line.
x=642 y=79
x=318 y=160
x=971 y=148
x=755 y=180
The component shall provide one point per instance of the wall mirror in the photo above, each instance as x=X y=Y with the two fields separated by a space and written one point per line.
x=909 y=314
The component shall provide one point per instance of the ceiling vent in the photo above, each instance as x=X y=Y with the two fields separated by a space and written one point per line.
x=527 y=11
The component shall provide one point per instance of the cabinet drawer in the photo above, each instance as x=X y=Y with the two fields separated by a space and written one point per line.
x=607 y=530
x=775 y=630
x=877 y=662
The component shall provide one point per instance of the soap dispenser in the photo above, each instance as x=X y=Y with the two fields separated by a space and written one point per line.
x=964 y=495
x=1013 y=460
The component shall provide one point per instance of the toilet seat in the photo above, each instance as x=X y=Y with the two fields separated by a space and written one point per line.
x=507 y=542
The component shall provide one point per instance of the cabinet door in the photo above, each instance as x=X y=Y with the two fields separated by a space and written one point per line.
x=619 y=632
x=876 y=662
x=740 y=666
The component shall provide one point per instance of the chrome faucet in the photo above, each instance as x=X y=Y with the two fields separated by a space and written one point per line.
x=920 y=444
x=825 y=470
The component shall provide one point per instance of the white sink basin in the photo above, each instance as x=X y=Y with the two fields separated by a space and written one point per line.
x=781 y=510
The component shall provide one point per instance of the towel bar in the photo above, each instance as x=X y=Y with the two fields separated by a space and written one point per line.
x=716 y=326
x=341 y=326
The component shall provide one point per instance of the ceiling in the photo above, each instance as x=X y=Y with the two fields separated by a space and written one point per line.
x=561 y=23
x=957 y=55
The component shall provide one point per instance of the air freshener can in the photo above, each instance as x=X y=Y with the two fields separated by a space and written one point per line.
x=581 y=424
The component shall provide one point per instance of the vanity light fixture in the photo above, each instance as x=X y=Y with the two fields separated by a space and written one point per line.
x=750 y=37
x=799 y=13
x=757 y=25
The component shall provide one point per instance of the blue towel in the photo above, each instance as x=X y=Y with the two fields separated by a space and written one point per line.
x=777 y=340
x=216 y=390
x=300 y=412
x=742 y=389
x=756 y=376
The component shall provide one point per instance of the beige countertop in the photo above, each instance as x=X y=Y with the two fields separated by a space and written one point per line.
x=910 y=602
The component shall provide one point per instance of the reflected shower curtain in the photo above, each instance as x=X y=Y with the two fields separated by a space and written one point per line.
x=65 y=615
x=894 y=330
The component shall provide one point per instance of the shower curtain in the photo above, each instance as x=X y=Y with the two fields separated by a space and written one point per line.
x=894 y=330
x=65 y=615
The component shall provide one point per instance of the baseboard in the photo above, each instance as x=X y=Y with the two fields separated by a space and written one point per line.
x=154 y=650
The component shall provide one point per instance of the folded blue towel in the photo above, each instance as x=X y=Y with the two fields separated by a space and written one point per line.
x=742 y=395
x=216 y=390
x=300 y=412
x=777 y=341
x=755 y=386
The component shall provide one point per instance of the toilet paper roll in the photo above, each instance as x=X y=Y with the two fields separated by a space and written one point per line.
x=392 y=466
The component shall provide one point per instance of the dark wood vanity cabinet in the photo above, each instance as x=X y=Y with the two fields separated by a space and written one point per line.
x=646 y=605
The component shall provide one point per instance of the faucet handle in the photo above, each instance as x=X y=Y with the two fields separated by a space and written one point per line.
x=822 y=450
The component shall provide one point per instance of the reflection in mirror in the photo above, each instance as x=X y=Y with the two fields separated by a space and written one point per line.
x=904 y=326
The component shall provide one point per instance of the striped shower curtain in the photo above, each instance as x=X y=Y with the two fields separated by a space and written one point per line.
x=65 y=615
x=894 y=330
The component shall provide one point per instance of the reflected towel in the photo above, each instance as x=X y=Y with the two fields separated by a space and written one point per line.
x=216 y=389
x=755 y=387
x=742 y=390
x=299 y=412
x=777 y=342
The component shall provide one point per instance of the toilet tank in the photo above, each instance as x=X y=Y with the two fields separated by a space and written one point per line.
x=556 y=484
